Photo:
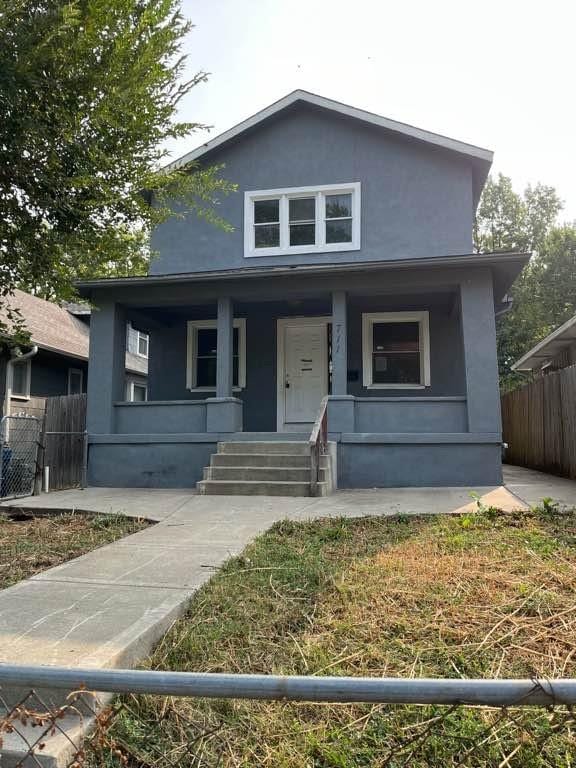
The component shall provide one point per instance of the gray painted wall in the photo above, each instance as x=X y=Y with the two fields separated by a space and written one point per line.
x=49 y=374
x=403 y=415
x=413 y=465
x=167 y=362
x=160 y=418
x=417 y=200
x=148 y=465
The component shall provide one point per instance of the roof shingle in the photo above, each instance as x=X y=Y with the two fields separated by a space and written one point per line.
x=54 y=328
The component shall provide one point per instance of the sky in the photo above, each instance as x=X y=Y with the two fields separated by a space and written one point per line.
x=501 y=75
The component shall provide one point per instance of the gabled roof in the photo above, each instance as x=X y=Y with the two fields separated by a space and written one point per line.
x=548 y=348
x=50 y=326
x=481 y=158
x=55 y=329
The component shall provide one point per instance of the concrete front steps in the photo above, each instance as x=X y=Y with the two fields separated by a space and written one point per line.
x=263 y=468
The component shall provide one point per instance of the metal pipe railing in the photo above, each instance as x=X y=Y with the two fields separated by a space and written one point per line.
x=500 y=693
x=317 y=444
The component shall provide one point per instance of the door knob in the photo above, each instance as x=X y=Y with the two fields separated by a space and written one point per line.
x=287 y=385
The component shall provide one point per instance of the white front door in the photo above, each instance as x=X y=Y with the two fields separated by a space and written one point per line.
x=302 y=371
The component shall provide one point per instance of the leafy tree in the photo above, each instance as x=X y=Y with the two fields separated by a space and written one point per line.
x=508 y=221
x=88 y=94
x=544 y=295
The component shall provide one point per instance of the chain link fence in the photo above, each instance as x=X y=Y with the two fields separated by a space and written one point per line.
x=19 y=442
x=144 y=730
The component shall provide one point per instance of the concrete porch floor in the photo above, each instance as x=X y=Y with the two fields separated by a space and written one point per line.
x=110 y=606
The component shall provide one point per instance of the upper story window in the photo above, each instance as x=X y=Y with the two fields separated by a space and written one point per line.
x=302 y=220
x=137 y=342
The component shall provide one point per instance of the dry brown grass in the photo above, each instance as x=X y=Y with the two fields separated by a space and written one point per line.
x=31 y=543
x=480 y=595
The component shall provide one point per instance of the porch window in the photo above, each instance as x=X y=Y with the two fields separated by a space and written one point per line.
x=202 y=346
x=302 y=220
x=396 y=350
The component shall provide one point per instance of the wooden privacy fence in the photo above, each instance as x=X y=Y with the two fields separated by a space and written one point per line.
x=539 y=423
x=64 y=440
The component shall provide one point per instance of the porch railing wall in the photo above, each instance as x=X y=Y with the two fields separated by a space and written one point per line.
x=161 y=417
x=410 y=414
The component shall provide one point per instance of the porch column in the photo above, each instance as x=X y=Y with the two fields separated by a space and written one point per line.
x=225 y=348
x=341 y=406
x=224 y=412
x=480 y=357
x=106 y=366
x=339 y=344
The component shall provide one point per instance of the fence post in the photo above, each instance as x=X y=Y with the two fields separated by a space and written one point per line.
x=84 y=480
x=40 y=459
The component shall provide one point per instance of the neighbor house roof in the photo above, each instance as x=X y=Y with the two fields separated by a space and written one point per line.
x=481 y=158
x=548 y=348
x=55 y=329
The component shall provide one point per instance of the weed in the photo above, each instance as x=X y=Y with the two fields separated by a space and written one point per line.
x=547 y=507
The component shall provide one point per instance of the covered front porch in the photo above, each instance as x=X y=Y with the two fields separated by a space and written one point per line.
x=406 y=358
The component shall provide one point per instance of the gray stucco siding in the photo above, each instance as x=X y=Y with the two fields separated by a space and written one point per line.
x=152 y=462
x=417 y=201
x=148 y=464
x=408 y=415
x=160 y=417
x=372 y=465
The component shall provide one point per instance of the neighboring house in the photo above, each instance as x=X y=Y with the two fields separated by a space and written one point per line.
x=57 y=362
x=349 y=274
x=556 y=351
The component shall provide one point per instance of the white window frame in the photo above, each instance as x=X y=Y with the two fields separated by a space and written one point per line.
x=19 y=396
x=137 y=335
x=191 y=359
x=284 y=195
x=130 y=384
x=72 y=371
x=368 y=321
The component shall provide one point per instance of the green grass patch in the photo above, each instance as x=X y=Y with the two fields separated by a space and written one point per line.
x=481 y=595
x=31 y=543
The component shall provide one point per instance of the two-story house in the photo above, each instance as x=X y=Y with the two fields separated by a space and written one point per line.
x=349 y=280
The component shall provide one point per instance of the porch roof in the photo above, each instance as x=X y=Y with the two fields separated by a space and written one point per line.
x=547 y=349
x=505 y=266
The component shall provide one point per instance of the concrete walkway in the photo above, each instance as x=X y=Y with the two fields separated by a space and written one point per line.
x=110 y=606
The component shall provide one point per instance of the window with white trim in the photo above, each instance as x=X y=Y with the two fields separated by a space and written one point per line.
x=302 y=220
x=396 y=350
x=136 y=391
x=138 y=342
x=75 y=381
x=201 y=358
x=20 y=378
